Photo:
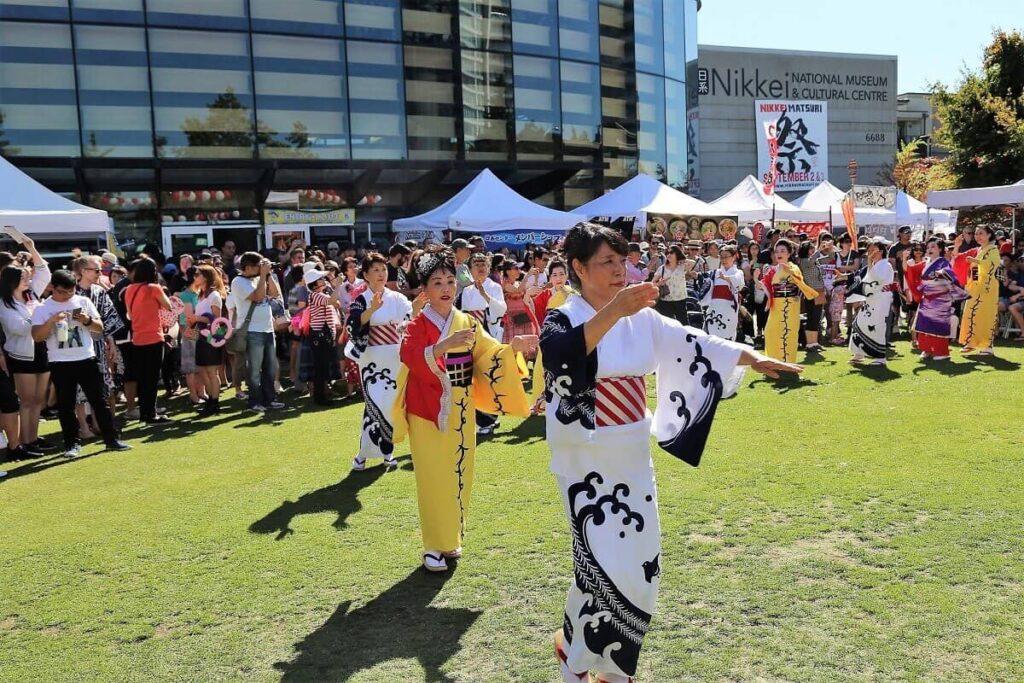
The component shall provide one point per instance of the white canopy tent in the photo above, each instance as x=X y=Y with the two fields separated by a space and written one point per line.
x=825 y=197
x=748 y=202
x=643 y=195
x=36 y=211
x=487 y=205
x=978 y=196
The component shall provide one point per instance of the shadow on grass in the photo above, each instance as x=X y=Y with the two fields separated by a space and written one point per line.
x=785 y=383
x=996 y=362
x=17 y=469
x=946 y=367
x=400 y=623
x=341 y=499
x=816 y=359
x=529 y=430
x=876 y=373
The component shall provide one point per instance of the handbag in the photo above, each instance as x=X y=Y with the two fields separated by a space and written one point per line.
x=280 y=315
x=662 y=288
x=238 y=344
x=521 y=319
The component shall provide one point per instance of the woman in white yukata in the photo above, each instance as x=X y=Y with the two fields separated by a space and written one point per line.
x=874 y=286
x=484 y=300
x=722 y=301
x=374 y=338
x=598 y=349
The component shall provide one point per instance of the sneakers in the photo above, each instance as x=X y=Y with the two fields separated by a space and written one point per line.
x=31 y=450
x=242 y=395
x=358 y=465
x=132 y=414
x=43 y=445
x=73 y=452
x=211 y=407
x=159 y=419
x=118 y=446
x=878 y=363
x=276 y=405
x=433 y=561
x=257 y=408
x=390 y=464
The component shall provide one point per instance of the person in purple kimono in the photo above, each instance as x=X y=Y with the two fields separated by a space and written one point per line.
x=935 y=282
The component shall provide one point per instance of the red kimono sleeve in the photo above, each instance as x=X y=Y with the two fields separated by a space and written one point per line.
x=420 y=337
x=962 y=267
x=913 y=277
x=540 y=304
x=767 y=276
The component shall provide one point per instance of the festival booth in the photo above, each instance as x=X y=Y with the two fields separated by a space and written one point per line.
x=758 y=211
x=55 y=223
x=493 y=210
x=643 y=204
x=920 y=217
x=1005 y=195
x=827 y=198
x=285 y=221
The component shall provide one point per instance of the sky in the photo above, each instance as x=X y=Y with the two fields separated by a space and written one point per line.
x=933 y=39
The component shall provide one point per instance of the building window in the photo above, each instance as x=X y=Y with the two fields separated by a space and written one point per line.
x=113 y=82
x=51 y=10
x=429 y=22
x=651 y=120
x=619 y=125
x=578 y=30
x=538 y=108
x=306 y=17
x=581 y=109
x=675 y=134
x=675 y=39
x=486 y=104
x=535 y=27
x=38 y=116
x=223 y=14
x=376 y=100
x=373 y=19
x=108 y=11
x=485 y=25
x=615 y=34
x=649 y=32
x=202 y=94
x=430 y=107
x=300 y=97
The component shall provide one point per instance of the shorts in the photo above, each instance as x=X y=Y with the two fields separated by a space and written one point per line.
x=128 y=358
x=188 y=356
x=36 y=366
x=208 y=356
x=9 y=402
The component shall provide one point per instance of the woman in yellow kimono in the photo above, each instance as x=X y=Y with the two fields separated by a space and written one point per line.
x=546 y=298
x=451 y=367
x=784 y=283
x=981 y=310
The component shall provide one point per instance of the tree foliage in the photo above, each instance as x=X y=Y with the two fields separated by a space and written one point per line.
x=983 y=119
x=915 y=175
x=6 y=149
x=228 y=125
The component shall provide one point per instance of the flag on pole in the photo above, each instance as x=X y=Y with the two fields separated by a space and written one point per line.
x=850 y=217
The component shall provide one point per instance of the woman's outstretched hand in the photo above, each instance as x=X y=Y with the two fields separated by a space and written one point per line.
x=769 y=367
x=634 y=298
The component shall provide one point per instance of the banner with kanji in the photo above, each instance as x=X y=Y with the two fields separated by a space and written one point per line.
x=792 y=143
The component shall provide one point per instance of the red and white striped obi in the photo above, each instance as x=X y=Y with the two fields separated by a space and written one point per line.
x=480 y=314
x=384 y=335
x=620 y=401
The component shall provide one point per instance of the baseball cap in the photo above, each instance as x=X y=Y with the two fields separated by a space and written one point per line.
x=312 y=275
x=460 y=244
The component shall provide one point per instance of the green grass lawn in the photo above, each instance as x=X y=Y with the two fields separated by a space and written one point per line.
x=861 y=525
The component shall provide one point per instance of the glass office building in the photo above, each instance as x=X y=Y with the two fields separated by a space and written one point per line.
x=181 y=114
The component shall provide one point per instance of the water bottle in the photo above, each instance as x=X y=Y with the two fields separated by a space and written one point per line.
x=62 y=331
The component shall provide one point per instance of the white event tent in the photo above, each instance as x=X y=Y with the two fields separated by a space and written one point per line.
x=825 y=196
x=643 y=195
x=34 y=210
x=978 y=196
x=488 y=205
x=748 y=202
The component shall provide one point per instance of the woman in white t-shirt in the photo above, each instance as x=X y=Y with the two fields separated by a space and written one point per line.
x=671 y=281
x=209 y=359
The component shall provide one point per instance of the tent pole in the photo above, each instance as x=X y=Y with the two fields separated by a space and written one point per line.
x=831 y=228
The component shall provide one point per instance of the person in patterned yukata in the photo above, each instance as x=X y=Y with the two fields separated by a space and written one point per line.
x=598 y=349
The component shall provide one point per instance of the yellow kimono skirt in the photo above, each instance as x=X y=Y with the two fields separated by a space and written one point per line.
x=782 y=331
x=444 y=459
x=981 y=310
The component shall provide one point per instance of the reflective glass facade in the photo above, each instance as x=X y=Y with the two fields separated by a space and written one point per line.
x=133 y=104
